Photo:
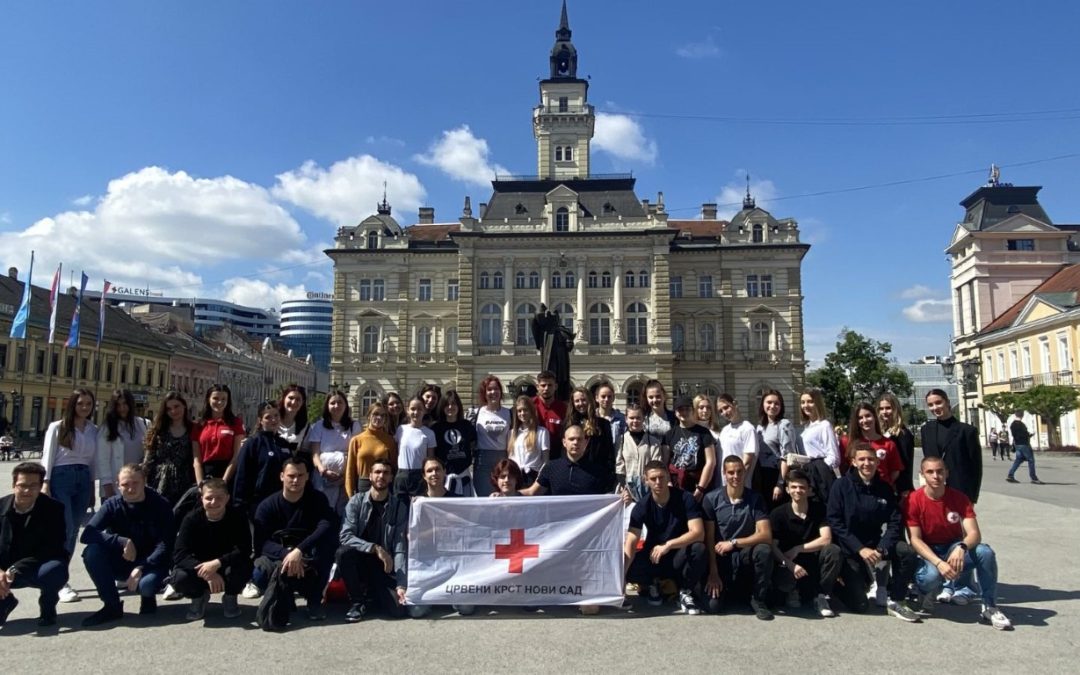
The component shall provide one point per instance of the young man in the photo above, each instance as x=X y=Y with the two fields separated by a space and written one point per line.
x=573 y=474
x=31 y=556
x=605 y=407
x=861 y=505
x=213 y=552
x=550 y=411
x=808 y=561
x=674 y=540
x=130 y=538
x=1022 y=442
x=373 y=552
x=738 y=540
x=692 y=450
x=945 y=533
x=295 y=530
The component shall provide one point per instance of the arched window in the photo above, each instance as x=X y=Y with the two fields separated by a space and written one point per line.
x=633 y=392
x=678 y=337
x=423 y=340
x=566 y=314
x=371 y=340
x=525 y=313
x=707 y=338
x=556 y=280
x=757 y=233
x=568 y=153
x=373 y=239
x=562 y=219
x=594 y=279
x=497 y=280
x=643 y=278
x=534 y=280
x=367 y=399
x=485 y=280
x=637 y=324
x=630 y=279
x=490 y=325
x=450 y=341
x=571 y=280
x=759 y=335
x=605 y=280
x=558 y=153
x=599 y=324
x=519 y=280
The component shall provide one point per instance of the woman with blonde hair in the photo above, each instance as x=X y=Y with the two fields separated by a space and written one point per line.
x=529 y=443
x=373 y=443
x=819 y=443
x=891 y=417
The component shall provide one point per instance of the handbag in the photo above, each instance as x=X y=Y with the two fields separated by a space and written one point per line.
x=796 y=461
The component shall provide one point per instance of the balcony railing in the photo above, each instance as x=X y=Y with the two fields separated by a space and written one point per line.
x=488 y=350
x=1062 y=377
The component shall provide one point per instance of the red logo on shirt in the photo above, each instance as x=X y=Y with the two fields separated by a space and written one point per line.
x=953 y=517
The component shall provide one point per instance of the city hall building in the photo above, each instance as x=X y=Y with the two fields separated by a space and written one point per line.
x=704 y=305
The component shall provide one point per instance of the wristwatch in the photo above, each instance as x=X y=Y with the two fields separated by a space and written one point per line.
x=963 y=546
x=733 y=542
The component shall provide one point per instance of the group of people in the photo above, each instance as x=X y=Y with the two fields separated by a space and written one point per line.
x=722 y=514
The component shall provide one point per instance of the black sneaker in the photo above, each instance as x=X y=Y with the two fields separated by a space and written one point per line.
x=7 y=606
x=47 y=619
x=316 y=610
x=148 y=605
x=356 y=613
x=654 y=598
x=105 y=615
x=761 y=610
x=1010 y=479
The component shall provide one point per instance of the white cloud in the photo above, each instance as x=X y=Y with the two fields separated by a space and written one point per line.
x=706 y=49
x=384 y=140
x=917 y=292
x=85 y=200
x=350 y=189
x=462 y=156
x=622 y=137
x=151 y=224
x=5 y=218
x=730 y=199
x=929 y=311
x=258 y=293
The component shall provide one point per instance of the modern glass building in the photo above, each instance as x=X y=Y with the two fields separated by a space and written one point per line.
x=305 y=327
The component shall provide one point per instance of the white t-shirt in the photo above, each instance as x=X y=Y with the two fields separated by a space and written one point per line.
x=333 y=443
x=738 y=440
x=531 y=459
x=492 y=429
x=819 y=441
x=412 y=444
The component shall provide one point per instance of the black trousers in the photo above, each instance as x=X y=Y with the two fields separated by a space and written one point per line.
x=686 y=566
x=822 y=568
x=187 y=581
x=364 y=577
x=764 y=481
x=744 y=573
x=856 y=579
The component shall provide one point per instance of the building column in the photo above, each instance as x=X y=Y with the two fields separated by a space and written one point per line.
x=545 y=274
x=579 y=322
x=617 y=272
x=508 y=300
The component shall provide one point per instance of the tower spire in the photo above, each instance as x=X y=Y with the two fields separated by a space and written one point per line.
x=384 y=206
x=748 y=201
x=564 y=24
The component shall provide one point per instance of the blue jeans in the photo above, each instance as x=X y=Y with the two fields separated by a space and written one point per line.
x=1024 y=453
x=980 y=560
x=106 y=566
x=73 y=486
x=49 y=577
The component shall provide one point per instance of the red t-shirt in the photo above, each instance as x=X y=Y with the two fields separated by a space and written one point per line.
x=889 y=461
x=551 y=418
x=941 y=521
x=217 y=439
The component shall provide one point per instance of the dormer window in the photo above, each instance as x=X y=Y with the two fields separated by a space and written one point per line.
x=608 y=208
x=562 y=219
x=520 y=209
x=757 y=233
x=373 y=239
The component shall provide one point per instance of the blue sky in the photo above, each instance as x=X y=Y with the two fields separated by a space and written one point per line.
x=213 y=148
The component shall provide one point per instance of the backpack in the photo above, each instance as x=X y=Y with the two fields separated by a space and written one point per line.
x=276 y=605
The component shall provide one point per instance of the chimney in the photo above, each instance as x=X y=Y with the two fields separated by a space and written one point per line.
x=427 y=215
x=645 y=205
x=13 y=272
x=708 y=211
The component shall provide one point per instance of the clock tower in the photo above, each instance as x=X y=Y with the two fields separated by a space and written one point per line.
x=563 y=123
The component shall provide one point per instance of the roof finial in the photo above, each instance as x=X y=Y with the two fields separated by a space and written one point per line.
x=748 y=201
x=995 y=175
x=564 y=23
x=384 y=206
x=467 y=211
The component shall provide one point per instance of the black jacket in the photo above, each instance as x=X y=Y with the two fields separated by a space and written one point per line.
x=961 y=451
x=199 y=540
x=43 y=542
x=148 y=524
x=857 y=513
x=258 y=470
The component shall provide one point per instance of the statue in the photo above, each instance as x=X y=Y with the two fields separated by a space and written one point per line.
x=555 y=342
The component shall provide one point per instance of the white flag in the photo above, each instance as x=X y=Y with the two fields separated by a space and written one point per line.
x=516 y=551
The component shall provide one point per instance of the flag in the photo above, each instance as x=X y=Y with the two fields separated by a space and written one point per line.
x=54 y=302
x=101 y=312
x=22 y=317
x=73 y=335
x=532 y=551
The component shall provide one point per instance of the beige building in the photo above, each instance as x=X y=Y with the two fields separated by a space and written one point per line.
x=704 y=305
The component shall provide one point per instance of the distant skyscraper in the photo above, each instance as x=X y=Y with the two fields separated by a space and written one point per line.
x=305 y=327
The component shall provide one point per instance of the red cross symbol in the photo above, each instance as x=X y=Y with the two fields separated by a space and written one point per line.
x=517 y=551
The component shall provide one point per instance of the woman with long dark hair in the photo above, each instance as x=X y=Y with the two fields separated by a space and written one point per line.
x=776 y=440
x=171 y=449
x=220 y=435
x=293 y=427
x=864 y=427
x=658 y=419
x=395 y=412
x=329 y=442
x=120 y=440
x=455 y=444
x=599 y=446
x=69 y=456
x=430 y=394
x=260 y=461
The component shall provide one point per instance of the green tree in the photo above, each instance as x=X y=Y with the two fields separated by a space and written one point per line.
x=1002 y=404
x=858 y=370
x=315 y=404
x=1050 y=402
x=914 y=416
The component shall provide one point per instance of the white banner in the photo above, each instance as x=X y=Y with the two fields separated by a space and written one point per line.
x=516 y=551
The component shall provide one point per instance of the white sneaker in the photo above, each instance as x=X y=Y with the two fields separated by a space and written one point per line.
x=251 y=591
x=821 y=604
x=945 y=596
x=687 y=604
x=994 y=617
x=171 y=593
x=69 y=594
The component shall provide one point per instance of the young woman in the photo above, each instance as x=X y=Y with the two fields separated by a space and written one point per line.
x=373 y=443
x=738 y=437
x=864 y=427
x=705 y=414
x=605 y=408
x=776 y=441
x=329 y=442
x=599 y=447
x=492 y=430
x=120 y=440
x=260 y=462
x=415 y=443
x=430 y=395
x=69 y=456
x=529 y=444
x=892 y=427
x=293 y=427
x=220 y=435
x=395 y=412
x=435 y=479
x=505 y=479
x=636 y=448
x=658 y=419
x=455 y=444
x=819 y=444
x=171 y=450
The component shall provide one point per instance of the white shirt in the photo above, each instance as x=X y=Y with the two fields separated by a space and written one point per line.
x=83 y=448
x=413 y=444
x=127 y=448
x=492 y=429
x=735 y=440
x=531 y=459
x=819 y=442
x=333 y=443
